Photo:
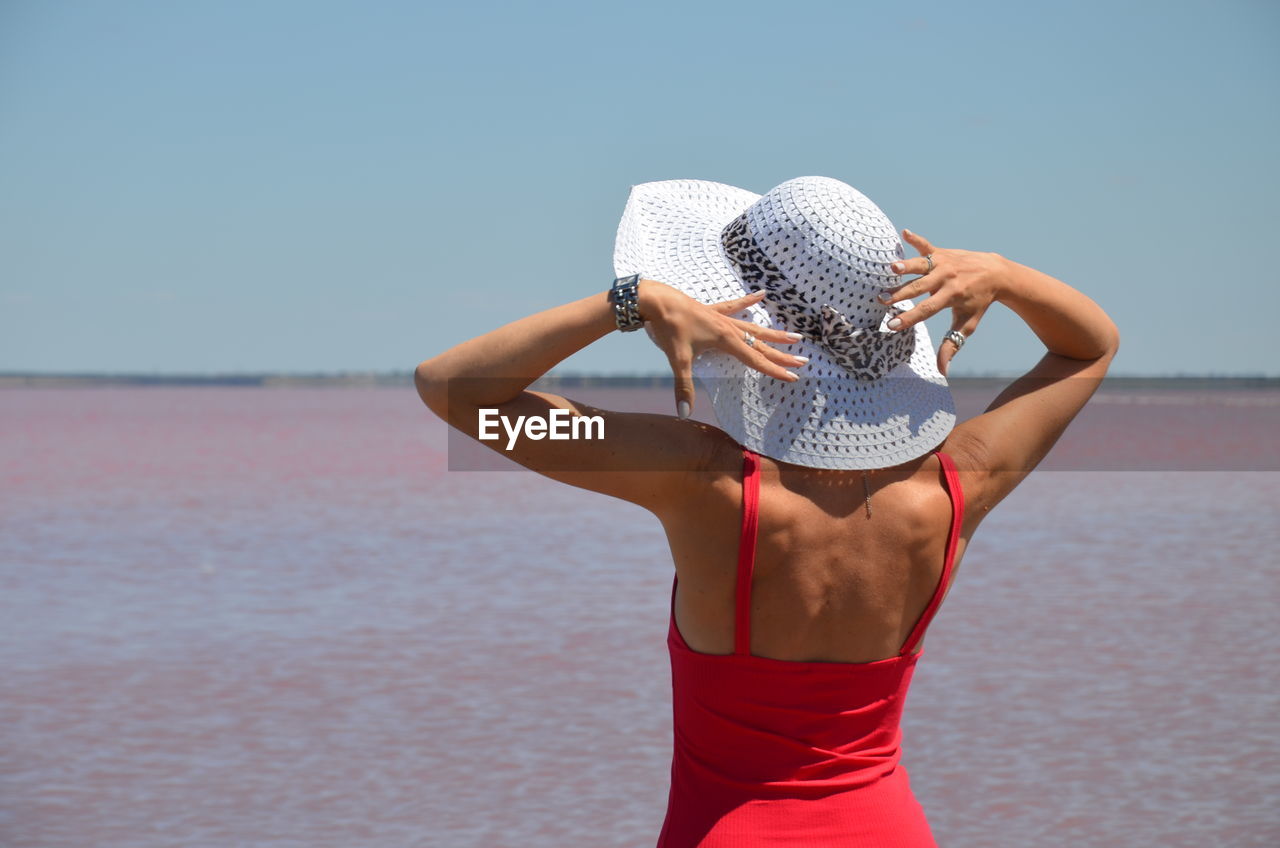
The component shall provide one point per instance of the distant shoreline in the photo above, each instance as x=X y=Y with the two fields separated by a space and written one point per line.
x=405 y=379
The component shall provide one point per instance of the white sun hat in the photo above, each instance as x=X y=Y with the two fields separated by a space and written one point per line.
x=869 y=397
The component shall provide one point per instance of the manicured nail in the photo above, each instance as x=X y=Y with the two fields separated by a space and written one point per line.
x=906 y=232
x=897 y=267
x=795 y=337
x=884 y=298
x=682 y=409
x=895 y=323
x=793 y=376
x=801 y=359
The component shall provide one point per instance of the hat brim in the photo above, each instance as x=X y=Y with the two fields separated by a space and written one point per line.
x=670 y=232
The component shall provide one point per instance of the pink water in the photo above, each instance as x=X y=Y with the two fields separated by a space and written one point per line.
x=272 y=618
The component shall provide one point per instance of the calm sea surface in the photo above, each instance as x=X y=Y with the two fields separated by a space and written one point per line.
x=251 y=617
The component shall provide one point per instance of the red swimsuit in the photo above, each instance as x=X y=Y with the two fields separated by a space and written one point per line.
x=777 y=753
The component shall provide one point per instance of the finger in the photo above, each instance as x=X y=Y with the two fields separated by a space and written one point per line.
x=918 y=241
x=948 y=348
x=967 y=325
x=769 y=335
x=771 y=353
x=754 y=356
x=913 y=289
x=915 y=265
x=737 y=304
x=922 y=311
x=681 y=362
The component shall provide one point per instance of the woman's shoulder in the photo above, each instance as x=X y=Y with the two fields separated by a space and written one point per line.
x=979 y=480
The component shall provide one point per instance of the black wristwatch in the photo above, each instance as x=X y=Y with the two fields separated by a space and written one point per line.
x=625 y=297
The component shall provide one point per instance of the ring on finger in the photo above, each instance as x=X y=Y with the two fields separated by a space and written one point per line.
x=749 y=339
x=956 y=338
x=928 y=257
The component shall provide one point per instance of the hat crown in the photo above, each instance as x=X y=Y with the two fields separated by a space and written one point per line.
x=831 y=243
x=822 y=250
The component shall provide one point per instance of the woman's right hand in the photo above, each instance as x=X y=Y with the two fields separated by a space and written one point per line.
x=683 y=328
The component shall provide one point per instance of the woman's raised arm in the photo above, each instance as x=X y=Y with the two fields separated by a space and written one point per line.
x=481 y=386
x=998 y=448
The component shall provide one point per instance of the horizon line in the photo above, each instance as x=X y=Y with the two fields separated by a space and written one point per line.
x=407 y=374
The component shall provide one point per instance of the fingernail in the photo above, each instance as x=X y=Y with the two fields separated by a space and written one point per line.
x=793 y=376
x=795 y=337
x=906 y=232
x=801 y=359
x=884 y=298
x=682 y=409
x=895 y=323
x=897 y=267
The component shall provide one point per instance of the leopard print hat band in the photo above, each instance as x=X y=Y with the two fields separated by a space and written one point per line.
x=868 y=398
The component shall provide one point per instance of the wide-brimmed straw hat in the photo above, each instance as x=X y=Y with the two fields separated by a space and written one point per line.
x=869 y=397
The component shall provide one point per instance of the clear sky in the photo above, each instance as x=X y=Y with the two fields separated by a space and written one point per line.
x=306 y=186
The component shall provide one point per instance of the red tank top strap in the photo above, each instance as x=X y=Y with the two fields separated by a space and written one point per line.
x=952 y=482
x=746 y=552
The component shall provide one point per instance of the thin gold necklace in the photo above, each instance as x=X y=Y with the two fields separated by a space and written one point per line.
x=866 y=487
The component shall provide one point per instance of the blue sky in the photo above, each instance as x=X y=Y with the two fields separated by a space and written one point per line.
x=327 y=186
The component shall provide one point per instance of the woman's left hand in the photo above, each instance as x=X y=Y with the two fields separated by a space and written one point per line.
x=683 y=328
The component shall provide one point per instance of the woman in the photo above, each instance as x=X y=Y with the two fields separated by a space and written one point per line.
x=816 y=531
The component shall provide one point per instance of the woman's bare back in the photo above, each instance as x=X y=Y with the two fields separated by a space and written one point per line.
x=831 y=584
